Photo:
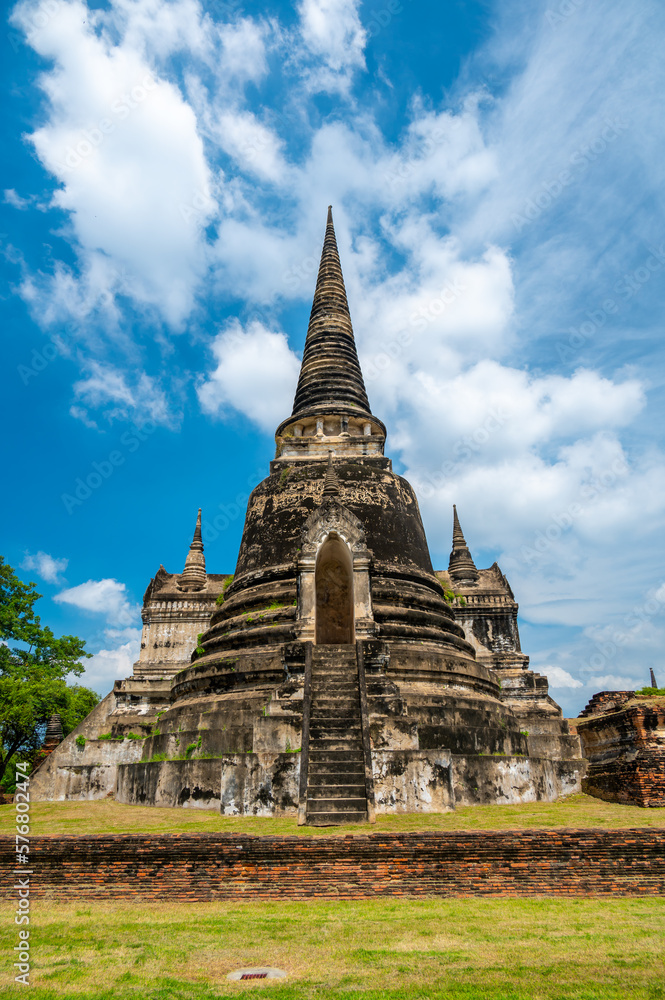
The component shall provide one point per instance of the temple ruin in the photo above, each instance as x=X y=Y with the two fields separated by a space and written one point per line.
x=335 y=675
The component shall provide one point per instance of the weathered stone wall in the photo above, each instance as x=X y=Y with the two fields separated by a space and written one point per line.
x=236 y=866
x=412 y=781
x=626 y=753
x=173 y=618
x=89 y=771
x=192 y=784
x=92 y=775
x=267 y=783
x=170 y=631
x=243 y=784
x=487 y=613
x=260 y=784
x=505 y=780
x=83 y=783
x=51 y=779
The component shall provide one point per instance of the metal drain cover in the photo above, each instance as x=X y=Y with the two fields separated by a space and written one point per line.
x=257 y=973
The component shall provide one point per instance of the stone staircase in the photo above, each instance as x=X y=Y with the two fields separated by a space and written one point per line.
x=336 y=791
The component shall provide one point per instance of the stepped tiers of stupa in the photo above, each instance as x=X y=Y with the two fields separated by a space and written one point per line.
x=329 y=678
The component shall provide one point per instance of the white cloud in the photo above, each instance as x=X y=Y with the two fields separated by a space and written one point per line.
x=559 y=678
x=15 y=200
x=259 y=262
x=256 y=149
x=45 y=566
x=564 y=137
x=440 y=151
x=613 y=682
x=333 y=35
x=106 y=387
x=124 y=147
x=103 y=597
x=123 y=635
x=497 y=417
x=163 y=27
x=256 y=375
x=107 y=665
x=243 y=55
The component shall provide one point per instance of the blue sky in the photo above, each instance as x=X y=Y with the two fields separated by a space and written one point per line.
x=496 y=172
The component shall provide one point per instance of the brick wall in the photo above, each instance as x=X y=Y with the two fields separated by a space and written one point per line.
x=626 y=754
x=606 y=701
x=236 y=866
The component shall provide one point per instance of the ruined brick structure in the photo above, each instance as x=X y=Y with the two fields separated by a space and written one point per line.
x=52 y=740
x=606 y=701
x=329 y=678
x=623 y=736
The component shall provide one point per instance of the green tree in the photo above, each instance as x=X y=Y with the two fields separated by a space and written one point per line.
x=33 y=673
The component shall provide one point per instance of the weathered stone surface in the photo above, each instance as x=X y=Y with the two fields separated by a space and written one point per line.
x=409 y=781
x=190 y=784
x=172 y=620
x=194 y=577
x=260 y=784
x=47 y=784
x=626 y=752
x=83 y=783
x=276 y=733
x=461 y=567
x=93 y=775
x=330 y=374
x=487 y=610
x=482 y=780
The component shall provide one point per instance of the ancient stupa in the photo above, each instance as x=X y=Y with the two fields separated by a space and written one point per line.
x=335 y=675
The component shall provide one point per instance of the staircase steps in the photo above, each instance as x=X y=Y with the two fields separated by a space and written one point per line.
x=336 y=791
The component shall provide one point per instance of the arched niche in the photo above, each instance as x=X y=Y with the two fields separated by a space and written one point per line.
x=333 y=537
x=333 y=582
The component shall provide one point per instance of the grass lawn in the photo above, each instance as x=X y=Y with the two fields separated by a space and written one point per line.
x=107 y=816
x=502 y=949
x=458 y=949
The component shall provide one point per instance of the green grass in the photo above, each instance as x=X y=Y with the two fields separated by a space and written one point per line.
x=502 y=949
x=108 y=816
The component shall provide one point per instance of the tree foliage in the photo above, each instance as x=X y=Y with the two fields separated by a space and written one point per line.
x=34 y=666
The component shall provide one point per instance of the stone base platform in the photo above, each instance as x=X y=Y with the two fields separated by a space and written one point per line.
x=405 y=781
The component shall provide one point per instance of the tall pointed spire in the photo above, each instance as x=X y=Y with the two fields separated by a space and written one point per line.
x=458 y=538
x=193 y=576
x=461 y=568
x=330 y=376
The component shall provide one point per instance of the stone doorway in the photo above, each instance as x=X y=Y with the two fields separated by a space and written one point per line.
x=334 y=593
